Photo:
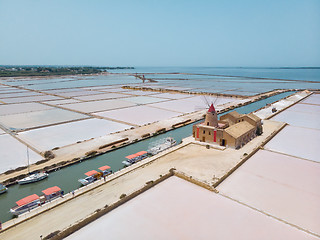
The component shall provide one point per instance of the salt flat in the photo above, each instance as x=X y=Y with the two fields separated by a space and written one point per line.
x=283 y=186
x=139 y=93
x=178 y=88
x=280 y=105
x=98 y=106
x=78 y=93
x=173 y=95
x=13 y=153
x=101 y=96
x=313 y=99
x=114 y=90
x=144 y=99
x=139 y=115
x=305 y=108
x=177 y=209
x=297 y=141
x=60 y=135
x=31 y=99
x=61 y=102
x=301 y=119
x=20 y=121
x=190 y=104
x=64 y=90
x=22 y=108
x=19 y=94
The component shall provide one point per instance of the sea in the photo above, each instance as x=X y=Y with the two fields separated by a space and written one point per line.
x=288 y=73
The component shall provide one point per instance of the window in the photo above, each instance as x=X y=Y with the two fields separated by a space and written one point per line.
x=204 y=131
x=209 y=133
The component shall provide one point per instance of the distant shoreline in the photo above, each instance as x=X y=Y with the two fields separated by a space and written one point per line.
x=34 y=71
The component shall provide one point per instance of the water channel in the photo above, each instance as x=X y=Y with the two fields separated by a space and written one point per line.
x=67 y=178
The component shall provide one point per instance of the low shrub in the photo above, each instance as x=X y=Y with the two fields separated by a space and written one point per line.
x=48 y=155
x=51 y=235
x=91 y=153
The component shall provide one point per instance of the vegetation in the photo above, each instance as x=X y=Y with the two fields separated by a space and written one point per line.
x=51 y=235
x=17 y=71
x=91 y=153
x=123 y=195
x=48 y=155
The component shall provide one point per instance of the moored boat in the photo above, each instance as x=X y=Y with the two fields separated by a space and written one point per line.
x=92 y=176
x=3 y=188
x=162 y=145
x=26 y=204
x=50 y=194
x=35 y=177
x=33 y=201
x=106 y=170
x=133 y=158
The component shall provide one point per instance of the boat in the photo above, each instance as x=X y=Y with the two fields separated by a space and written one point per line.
x=105 y=170
x=133 y=158
x=3 y=189
x=50 y=194
x=33 y=201
x=162 y=145
x=92 y=176
x=26 y=204
x=34 y=177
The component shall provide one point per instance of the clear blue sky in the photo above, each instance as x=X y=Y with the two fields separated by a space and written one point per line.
x=160 y=33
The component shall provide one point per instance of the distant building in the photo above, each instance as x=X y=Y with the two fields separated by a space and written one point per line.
x=232 y=130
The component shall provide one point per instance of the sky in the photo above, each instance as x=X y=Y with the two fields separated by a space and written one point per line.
x=216 y=33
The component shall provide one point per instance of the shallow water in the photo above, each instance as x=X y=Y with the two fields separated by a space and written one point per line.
x=239 y=84
x=276 y=73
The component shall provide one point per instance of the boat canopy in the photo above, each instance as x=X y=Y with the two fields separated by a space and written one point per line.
x=136 y=155
x=90 y=173
x=51 y=190
x=141 y=153
x=27 y=200
x=103 y=168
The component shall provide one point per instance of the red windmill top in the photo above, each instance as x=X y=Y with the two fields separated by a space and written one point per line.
x=212 y=109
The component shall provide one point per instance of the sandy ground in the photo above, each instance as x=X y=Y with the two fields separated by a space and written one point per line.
x=207 y=165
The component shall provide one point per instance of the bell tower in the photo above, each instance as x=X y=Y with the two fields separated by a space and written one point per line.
x=211 y=117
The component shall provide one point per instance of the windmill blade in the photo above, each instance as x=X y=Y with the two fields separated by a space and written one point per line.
x=206 y=101
x=215 y=100
x=217 y=97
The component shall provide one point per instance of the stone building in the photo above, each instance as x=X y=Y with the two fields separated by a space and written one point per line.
x=232 y=130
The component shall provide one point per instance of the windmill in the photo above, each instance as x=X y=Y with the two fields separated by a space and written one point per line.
x=211 y=117
x=207 y=102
